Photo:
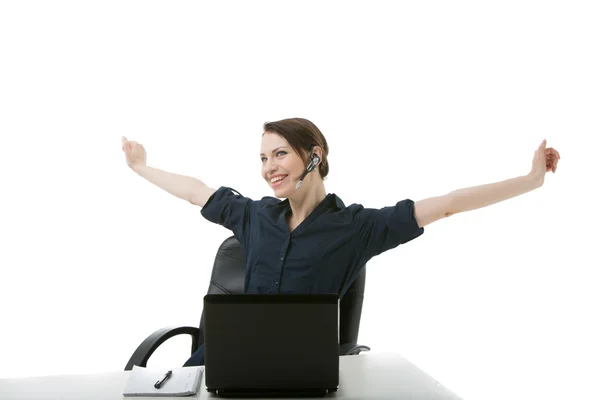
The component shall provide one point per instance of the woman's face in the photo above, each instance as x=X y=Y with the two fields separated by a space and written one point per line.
x=281 y=166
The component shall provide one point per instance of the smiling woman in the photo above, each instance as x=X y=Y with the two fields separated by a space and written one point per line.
x=300 y=134
x=323 y=230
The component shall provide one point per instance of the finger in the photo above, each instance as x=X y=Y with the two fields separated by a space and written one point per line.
x=123 y=140
x=543 y=145
x=552 y=151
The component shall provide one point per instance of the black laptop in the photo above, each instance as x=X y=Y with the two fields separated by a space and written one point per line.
x=272 y=345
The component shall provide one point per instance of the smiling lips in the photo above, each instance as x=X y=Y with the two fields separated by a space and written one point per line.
x=278 y=180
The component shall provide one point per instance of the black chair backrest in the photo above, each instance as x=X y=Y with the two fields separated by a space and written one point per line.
x=229 y=271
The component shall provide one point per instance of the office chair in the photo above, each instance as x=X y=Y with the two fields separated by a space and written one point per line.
x=228 y=277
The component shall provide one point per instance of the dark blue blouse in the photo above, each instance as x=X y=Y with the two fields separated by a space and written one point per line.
x=324 y=254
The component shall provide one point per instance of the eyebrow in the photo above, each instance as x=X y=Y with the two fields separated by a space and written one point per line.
x=280 y=147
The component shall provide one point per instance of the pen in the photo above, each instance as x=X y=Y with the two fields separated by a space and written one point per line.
x=158 y=384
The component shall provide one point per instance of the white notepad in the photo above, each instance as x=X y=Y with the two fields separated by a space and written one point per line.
x=182 y=382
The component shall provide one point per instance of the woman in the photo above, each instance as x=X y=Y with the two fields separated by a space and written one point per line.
x=311 y=242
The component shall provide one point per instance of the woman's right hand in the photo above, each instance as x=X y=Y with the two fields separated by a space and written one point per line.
x=135 y=154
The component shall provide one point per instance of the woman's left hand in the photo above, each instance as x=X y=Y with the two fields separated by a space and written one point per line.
x=544 y=160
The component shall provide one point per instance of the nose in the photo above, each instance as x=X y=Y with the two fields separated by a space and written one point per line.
x=270 y=166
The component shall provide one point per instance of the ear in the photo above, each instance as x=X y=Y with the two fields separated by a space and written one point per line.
x=316 y=150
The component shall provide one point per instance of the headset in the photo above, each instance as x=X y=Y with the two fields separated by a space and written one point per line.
x=314 y=160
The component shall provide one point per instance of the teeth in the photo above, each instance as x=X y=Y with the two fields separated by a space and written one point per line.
x=279 y=178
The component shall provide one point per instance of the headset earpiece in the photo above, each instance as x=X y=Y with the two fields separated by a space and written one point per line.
x=314 y=161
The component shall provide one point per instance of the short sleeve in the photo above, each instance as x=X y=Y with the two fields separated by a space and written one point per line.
x=386 y=228
x=230 y=209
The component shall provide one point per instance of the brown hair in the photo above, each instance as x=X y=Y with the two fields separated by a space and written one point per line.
x=301 y=134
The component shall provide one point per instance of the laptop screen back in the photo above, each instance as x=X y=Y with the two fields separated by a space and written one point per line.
x=271 y=341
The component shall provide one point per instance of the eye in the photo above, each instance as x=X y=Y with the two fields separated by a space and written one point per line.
x=281 y=152
x=263 y=159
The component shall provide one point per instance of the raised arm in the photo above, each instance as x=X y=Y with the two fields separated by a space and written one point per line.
x=185 y=187
x=467 y=199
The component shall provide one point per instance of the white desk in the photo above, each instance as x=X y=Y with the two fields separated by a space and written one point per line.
x=366 y=376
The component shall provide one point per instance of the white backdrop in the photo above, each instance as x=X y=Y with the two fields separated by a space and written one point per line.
x=416 y=99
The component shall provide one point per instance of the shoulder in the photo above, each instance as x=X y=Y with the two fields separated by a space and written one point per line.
x=271 y=207
x=400 y=213
x=226 y=193
x=226 y=200
x=336 y=206
x=353 y=210
x=385 y=228
x=269 y=201
x=228 y=197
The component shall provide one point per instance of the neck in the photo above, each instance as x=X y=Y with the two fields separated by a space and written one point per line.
x=303 y=204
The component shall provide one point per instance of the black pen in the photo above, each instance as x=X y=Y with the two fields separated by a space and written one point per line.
x=158 y=384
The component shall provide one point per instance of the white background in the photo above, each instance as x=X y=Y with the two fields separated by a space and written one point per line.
x=416 y=99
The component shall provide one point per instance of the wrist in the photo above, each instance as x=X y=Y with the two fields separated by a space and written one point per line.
x=534 y=180
x=137 y=168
